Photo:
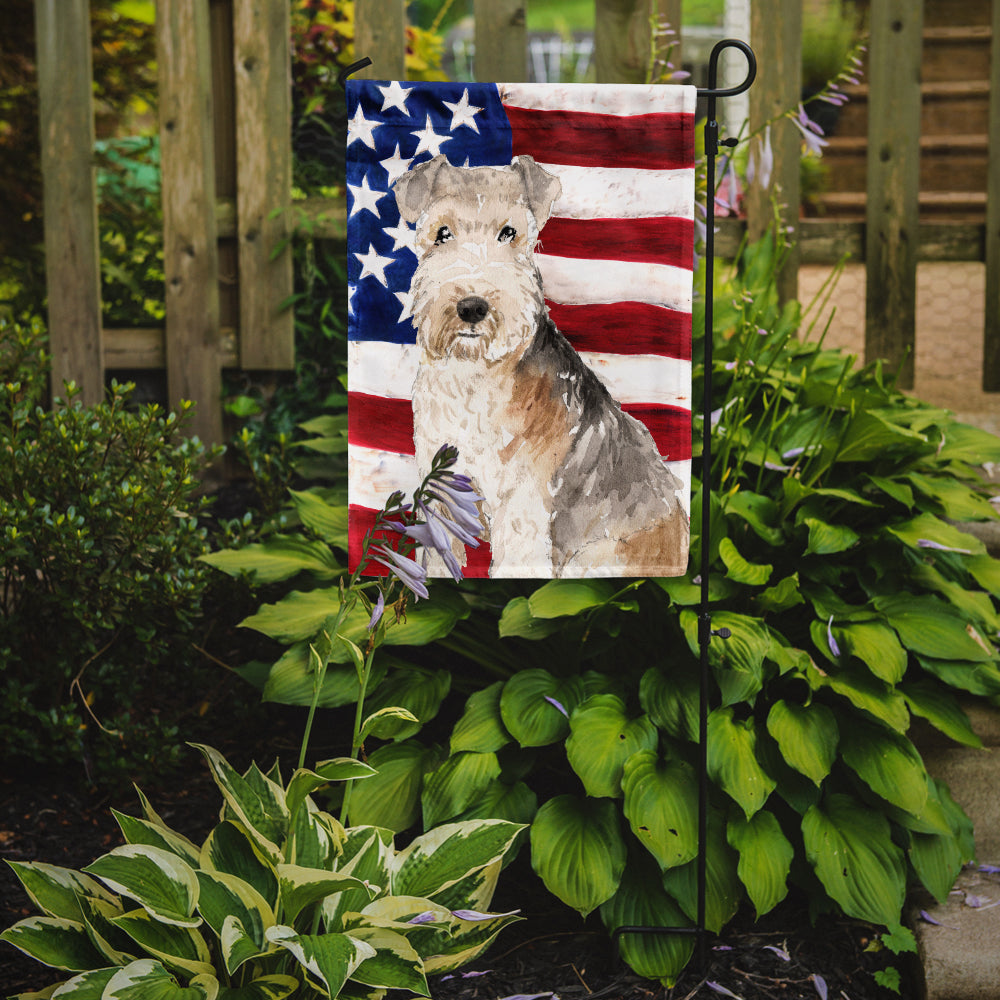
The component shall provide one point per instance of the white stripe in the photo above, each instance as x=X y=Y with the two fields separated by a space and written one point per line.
x=622 y=193
x=600 y=98
x=378 y=368
x=573 y=280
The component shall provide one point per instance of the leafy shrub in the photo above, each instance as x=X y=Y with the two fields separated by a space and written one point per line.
x=279 y=899
x=99 y=539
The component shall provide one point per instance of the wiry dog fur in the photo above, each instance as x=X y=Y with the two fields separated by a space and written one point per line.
x=571 y=483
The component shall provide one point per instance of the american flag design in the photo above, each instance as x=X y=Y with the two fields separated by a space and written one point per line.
x=615 y=255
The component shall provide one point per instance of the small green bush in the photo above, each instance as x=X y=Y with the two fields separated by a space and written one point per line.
x=100 y=583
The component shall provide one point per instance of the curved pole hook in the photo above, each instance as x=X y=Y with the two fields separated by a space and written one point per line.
x=352 y=68
x=712 y=90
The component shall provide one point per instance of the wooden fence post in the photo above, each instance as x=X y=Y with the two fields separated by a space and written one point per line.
x=893 y=183
x=991 y=332
x=262 y=60
x=72 y=255
x=190 y=251
x=380 y=34
x=776 y=35
x=621 y=40
x=501 y=41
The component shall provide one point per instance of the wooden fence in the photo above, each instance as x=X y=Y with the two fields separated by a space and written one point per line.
x=226 y=160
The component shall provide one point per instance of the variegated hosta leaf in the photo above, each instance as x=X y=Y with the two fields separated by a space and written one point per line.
x=158 y=880
x=238 y=944
x=602 y=737
x=86 y=986
x=177 y=947
x=315 y=838
x=230 y=849
x=304 y=782
x=578 y=851
x=765 y=858
x=141 y=831
x=225 y=897
x=807 y=736
x=661 y=799
x=147 y=979
x=395 y=964
x=850 y=847
x=274 y=987
x=468 y=939
x=366 y=855
x=456 y=784
x=441 y=857
x=481 y=727
x=732 y=760
x=300 y=887
x=329 y=959
x=476 y=890
x=54 y=941
x=116 y=946
x=56 y=891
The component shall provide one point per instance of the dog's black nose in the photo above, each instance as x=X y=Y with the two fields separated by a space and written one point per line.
x=472 y=309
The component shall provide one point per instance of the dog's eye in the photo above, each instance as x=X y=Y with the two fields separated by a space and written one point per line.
x=506 y=234
x=443 y=235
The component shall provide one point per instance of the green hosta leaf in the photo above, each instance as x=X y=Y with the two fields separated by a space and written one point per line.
x=395 y=964
x=415 y=689
x=225 y=897
x=732 y=760
x=230 y=849
x=671 y=700
x=738 y=661
x=456 y=784
x=783 y=595
x=765 y=858
x=876 y=646
x=391 y=798
x=517 y=620
x=965 y=443
x=275 y=987
x=180 y=948
x=147 y=979
x=738 y=569
x=54 y=941
x=578 y=851
x=141 y=831
x=931 y=628
x=558 y=598
x=516 y=803
x=866 y=692
x=976 y=678
x=602 y=738
x=870 y=436
x=888 y=763
x=291 y=680
x=641 y=901
x=941 y=709
x=661 y=800
x=301 y=887
x=684 y=593
x=438 y=859
x=386 y=723
x=330 y=959
x=279 y=558
x=807 y=736
x=937 y=859
x=758 y=511
x=957 y=501
x=893 y=488
x=327 y=520
x=159 y=881
x=56 y=891
x=928 y=528
x=481 y=728
x=827 y=539
x=850 y=848
x=976 y=605
x=530 y=706
x=986 y=571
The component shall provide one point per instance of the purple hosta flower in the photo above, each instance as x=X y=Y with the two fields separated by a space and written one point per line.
x=927 y=543
x=834 y=648
x=475 y=915
x=820 y=983
x=531 y=996
x=719 y=988
x=552 y=701
x=427 y=917
x=377 y=611
x=927 y=918
x=990 y=869
x=727 y=197
x=811 y=132
x=466 y=975
x=411 y=574
x=433 y=537
x=456 y=493
x=761 y=163
x=780 y=952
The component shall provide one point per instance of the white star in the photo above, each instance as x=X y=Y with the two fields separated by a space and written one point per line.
x=364 y=197
x=402 y=236
x=396 y=165
x=406 y=301
x=395 y=97
x=463 y=113
x=429 y=142
x=374 y=264
x=361 y=128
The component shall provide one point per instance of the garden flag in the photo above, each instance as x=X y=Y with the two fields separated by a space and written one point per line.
x=520 y=279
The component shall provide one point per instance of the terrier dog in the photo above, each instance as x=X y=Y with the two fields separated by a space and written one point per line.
x=572 y=486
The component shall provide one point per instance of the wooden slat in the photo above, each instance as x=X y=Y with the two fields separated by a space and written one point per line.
x=144 y=348
x=893 y=184
x=991 y=332
x=190 y=254
x=776 y=36
x=621 y=40
x=72 y=257
x=380 y=34
x=501 y=41
x=262 y=61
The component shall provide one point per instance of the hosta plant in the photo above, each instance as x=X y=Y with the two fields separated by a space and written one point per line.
x=279 y=900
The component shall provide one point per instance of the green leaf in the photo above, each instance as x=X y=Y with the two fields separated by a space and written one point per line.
x=741 y=571
x=893 y=488
x=828 y=539
x=783 y=595
x=54 y=941
x=765 y=858
x=941 y=709
x=301 y=887
x=517 y=620
x=732 y=760
x=807 y=736
x=578 y=851
x=56 y=891
x=738 y=661
x=395 y=964
x=760 y=512
x=223 y=897
x=958 y=502
x=876 y=646
x=181 y=948
x=850 y=848
x=888 y=763
x=391 y=798
x=937 y=859
x=976 y=678
x=986 y=571
x=147 y=979
x=163 y=884
x=931 y=628
x=456 y=784
x=559 y=598
x=141 y=831
x=516 y=803
x=602 y=738
x=292 y=679
x=417 y=690
x=86 y=986
x=279 y=558
x=230 y=849
x=869 y=436
x=327 y=520
x=671 y=700
x=661 y=798
x=386 y=722
x=927 y=527
x=481 y=727
x=527 y=711
x=866 y=692
x=275 y=987
x=331 y=959
x=304 y=782
x=965 y=443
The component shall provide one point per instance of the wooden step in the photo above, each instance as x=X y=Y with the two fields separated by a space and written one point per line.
x=940 y=13
x=956 y=53
x=957 y=206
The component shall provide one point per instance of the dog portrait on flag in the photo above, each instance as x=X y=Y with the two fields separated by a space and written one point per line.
x=520 y=272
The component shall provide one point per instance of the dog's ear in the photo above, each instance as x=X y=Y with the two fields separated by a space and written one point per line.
x=541 y=187
x=413 y=190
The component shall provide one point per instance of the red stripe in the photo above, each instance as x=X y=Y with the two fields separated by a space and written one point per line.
x=649 y=142
x=380 y=422
x=654 y=240
x=625 y=328
x=669 y=425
